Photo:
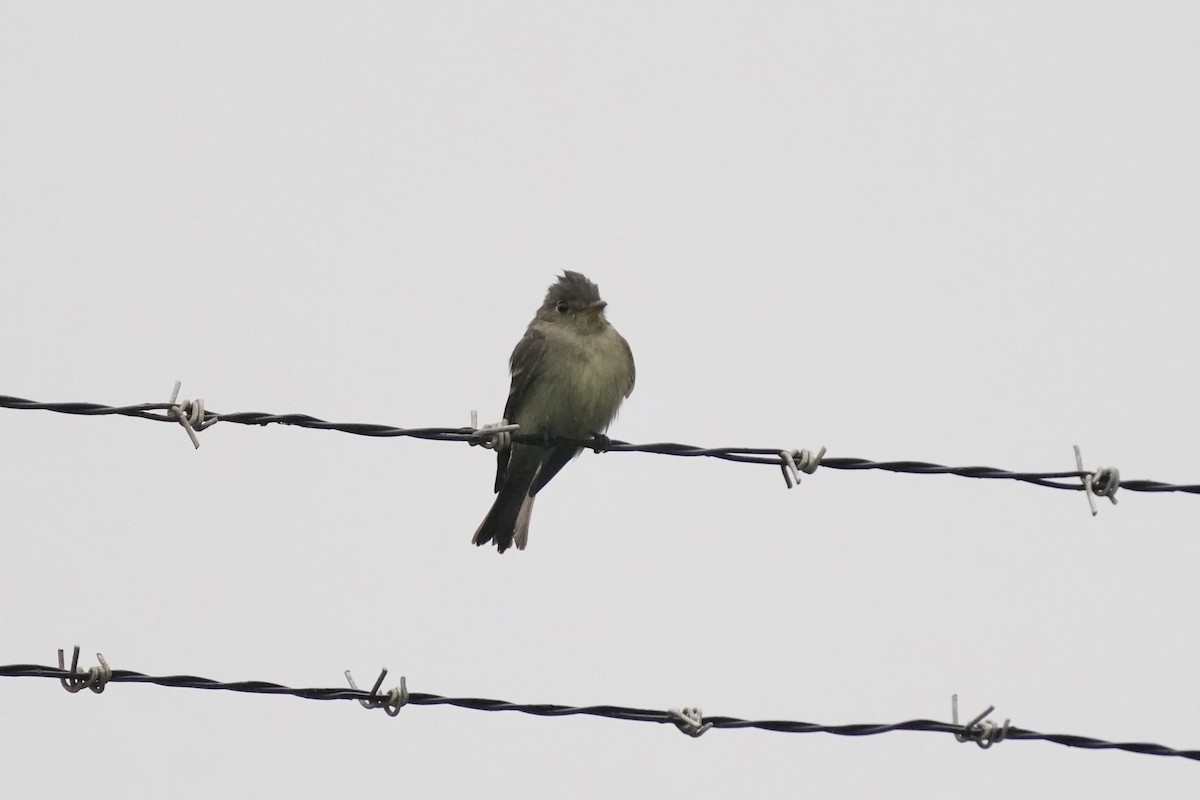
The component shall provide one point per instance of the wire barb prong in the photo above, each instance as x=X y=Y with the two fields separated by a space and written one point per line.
x=982 y=732
x=690 y=721
x=793 y=462
x=190 y=414
x=1104 y=482
x=497 y=436
x=95 y=678
x=391 y=703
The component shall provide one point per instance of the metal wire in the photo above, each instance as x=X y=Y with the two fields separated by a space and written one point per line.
x=607 y=711
x=161 y=412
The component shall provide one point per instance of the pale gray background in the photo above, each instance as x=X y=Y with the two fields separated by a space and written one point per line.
x=957 y=232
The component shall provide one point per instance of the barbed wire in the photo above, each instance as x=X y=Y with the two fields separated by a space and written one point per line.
x=194 y=417
x=691 y=721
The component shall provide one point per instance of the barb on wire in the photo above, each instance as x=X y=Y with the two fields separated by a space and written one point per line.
x=498 y=435
x=95 y=678
x=793 y=462
x=391 y=703
x=1104 y=482
x=190 y=414
x=982 y=732
x=163 y=412
x=689 y=720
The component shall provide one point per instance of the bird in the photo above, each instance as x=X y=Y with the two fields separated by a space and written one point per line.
x=570 y=373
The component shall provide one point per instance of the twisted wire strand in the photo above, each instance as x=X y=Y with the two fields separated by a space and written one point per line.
x=160 y=412
x=606 y=711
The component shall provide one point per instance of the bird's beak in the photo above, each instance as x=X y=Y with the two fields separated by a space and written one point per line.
x=596 y=306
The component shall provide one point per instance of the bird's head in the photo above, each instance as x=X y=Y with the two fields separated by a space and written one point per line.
x=575 y=300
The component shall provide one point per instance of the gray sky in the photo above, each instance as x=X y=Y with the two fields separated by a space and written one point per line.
x=956 y=232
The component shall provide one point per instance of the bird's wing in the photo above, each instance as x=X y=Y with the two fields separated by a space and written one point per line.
x=525 y=365
x=554 y=461
x=632 y=368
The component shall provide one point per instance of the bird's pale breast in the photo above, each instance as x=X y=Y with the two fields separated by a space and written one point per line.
x=584 y=378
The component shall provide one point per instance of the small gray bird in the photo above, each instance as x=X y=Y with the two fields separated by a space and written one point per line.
x=570 y=372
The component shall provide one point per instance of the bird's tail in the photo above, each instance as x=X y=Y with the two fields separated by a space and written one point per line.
x=508 y=520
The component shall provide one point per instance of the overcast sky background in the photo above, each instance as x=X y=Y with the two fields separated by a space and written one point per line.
x=956 y=232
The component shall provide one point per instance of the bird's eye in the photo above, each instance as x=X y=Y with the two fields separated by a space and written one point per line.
x=562 y=307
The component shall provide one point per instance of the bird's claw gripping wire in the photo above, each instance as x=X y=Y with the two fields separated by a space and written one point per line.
x=95 y=678
x=497 y=436
x=793 y=462
x=690 y=721
x=392 y=702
